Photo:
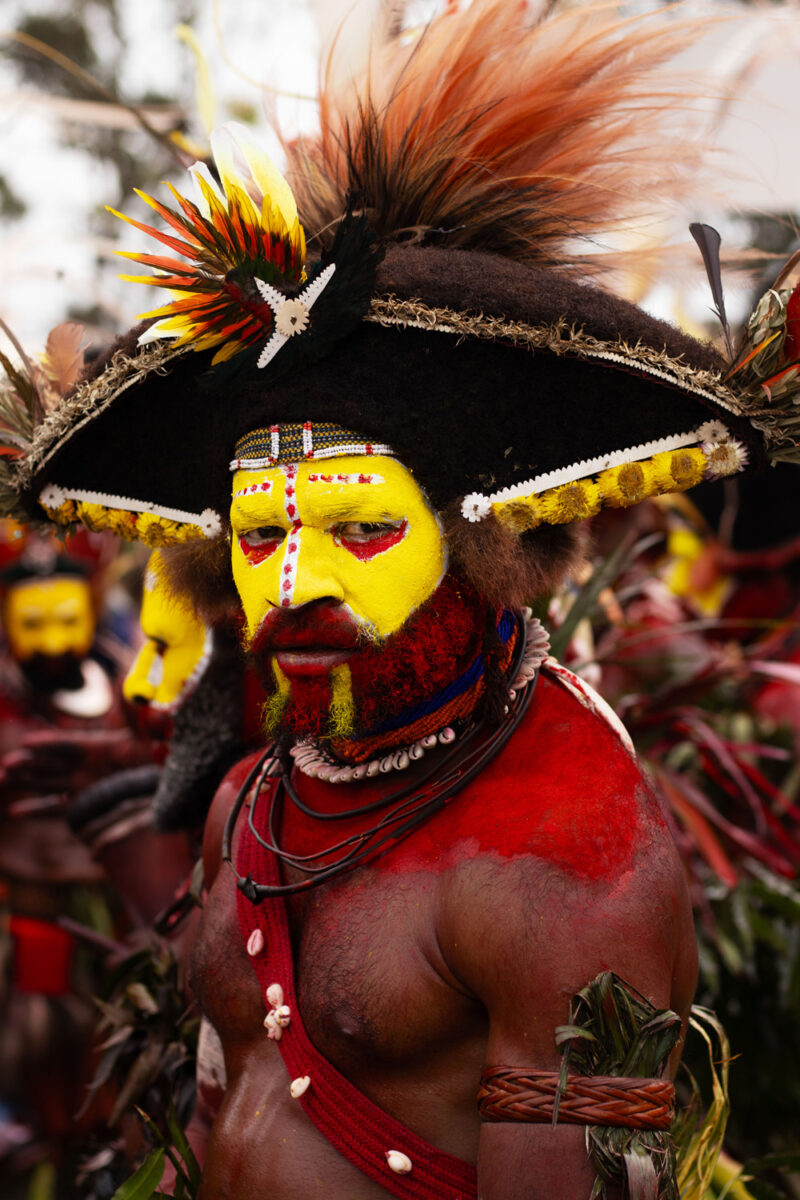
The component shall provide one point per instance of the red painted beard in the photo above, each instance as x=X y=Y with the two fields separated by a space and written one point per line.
x=435 y=645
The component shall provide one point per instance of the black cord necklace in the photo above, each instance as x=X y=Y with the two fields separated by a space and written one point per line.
x=406 y=807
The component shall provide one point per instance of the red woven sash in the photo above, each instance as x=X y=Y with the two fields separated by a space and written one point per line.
x=357 y=1128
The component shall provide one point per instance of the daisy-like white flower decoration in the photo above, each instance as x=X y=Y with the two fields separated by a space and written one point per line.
x=713 y=431
x=725 y=458
x=237 y=268
x=475 y=507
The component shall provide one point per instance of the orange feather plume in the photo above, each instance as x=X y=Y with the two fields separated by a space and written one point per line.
x=62 y=361
x=495 y=130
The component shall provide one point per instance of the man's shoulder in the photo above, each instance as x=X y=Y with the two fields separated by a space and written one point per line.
x=566 y=791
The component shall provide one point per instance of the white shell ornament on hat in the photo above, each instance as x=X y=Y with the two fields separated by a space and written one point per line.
x=291 y=316
x=578 y=491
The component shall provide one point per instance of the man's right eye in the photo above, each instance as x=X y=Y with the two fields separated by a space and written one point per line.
x=263 y=535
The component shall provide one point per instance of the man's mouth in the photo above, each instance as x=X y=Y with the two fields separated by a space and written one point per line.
x=310 y=660
x=310 y=643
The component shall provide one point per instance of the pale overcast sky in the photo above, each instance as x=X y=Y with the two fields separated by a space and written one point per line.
x=48 y=258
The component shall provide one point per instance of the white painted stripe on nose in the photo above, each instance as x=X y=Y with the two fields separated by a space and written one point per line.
x=291 y=550
x=155 y=675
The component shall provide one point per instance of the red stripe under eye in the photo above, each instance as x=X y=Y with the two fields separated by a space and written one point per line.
x=377 y=544
x=257 y=554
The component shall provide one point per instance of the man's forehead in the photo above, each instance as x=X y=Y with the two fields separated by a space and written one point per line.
x=49 y=592
x=263 y=483
x=350 y=478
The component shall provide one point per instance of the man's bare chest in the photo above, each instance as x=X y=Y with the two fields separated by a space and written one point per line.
x=372 y=984
x=372 y=988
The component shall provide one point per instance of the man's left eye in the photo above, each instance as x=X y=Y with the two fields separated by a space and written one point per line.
x=366 y=531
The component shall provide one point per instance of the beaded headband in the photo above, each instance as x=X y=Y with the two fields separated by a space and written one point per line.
x=294 y=442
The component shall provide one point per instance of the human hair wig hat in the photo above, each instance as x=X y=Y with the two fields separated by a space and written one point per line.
x=445 y=315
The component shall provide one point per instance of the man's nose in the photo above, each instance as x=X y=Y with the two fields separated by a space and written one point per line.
x=143 y=678
x=55 y=640
x=309 y=574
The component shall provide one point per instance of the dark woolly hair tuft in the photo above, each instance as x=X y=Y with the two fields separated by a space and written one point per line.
x=508 y=568
x=200 y=570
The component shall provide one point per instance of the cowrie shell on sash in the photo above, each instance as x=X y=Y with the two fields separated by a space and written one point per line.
x=398 y=1162
x=298 y=1087
x=255 y=943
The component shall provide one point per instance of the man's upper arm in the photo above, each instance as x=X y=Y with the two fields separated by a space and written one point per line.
x=524 y=938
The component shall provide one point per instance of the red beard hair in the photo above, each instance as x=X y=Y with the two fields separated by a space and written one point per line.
x=389 y=677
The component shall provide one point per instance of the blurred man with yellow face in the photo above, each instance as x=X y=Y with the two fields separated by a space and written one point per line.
x=50 y=617
x=176 y=648
x=49 y=625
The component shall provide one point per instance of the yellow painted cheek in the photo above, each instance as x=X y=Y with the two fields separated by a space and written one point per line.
x=385 y=590
x=176 y=642
x=256 y=584
x=179 y=662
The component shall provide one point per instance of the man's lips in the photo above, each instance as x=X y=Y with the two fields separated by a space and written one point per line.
x=310 y=660
x=313 y=638
x=307 y=643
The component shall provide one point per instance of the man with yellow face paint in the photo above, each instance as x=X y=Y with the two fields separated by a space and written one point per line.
x=175 y=651
x=355 y=550
x=447 y=837
x=49 y=625
x=59 y=709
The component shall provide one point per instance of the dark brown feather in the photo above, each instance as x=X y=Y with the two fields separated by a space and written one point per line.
x=496 y=132
x=709 y=243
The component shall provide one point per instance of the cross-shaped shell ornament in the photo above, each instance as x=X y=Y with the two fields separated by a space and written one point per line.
x=290 y=313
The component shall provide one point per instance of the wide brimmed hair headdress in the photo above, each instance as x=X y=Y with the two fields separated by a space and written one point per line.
x=443 y=312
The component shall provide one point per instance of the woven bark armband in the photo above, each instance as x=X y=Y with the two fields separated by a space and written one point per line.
x=514 y=1094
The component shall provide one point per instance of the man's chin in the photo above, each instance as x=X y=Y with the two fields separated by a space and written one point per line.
x=305 y=712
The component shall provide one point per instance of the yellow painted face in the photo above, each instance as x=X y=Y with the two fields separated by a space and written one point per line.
x=176 y=648
x=49 y=616
x=356 y=531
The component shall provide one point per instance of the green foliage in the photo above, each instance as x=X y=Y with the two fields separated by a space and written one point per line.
x=12 y=207
x=149 y=1035
x=750 y=970
x=67 y=33
x=143 y=1184
x=79 y=53
x=613 y=1030
x=728 y=780
x=700 y=1124
x=172 y=1145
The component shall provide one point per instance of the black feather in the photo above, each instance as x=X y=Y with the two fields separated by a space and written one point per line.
x=709 y=242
